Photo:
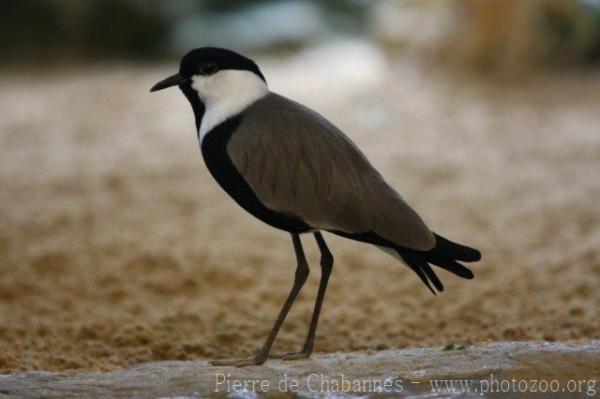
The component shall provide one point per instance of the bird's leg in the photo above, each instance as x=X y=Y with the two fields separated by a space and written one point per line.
x=299 y=280
x=326 y=267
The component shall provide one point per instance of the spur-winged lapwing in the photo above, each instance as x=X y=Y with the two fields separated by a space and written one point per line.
x=294 y=170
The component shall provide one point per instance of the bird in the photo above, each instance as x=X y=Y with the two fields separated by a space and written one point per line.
x=296 y=171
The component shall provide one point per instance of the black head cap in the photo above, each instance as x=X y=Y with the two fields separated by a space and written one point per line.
x=207 y=61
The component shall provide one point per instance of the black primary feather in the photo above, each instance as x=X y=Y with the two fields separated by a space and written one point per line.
x=410 y=261
x=445 y=248
x=444 y=255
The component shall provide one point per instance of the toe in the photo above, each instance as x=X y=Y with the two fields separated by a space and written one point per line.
x=295 y=356
x=240 y=362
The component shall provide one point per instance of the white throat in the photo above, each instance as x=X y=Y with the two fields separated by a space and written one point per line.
x=225 y=94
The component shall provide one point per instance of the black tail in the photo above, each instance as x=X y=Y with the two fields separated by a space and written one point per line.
x=445 y=255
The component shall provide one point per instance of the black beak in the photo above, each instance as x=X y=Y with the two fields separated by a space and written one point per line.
x=172 y=80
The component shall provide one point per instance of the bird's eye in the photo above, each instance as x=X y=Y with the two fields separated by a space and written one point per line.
x=209 y=68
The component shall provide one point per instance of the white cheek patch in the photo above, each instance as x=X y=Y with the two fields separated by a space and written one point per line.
x=226 y=94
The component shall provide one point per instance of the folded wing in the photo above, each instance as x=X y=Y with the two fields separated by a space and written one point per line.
x=298 y=163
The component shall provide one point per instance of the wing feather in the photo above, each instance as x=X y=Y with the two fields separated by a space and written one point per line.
x=299 y=163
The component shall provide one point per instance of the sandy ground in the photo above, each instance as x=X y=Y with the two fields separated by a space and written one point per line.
x=116 y=247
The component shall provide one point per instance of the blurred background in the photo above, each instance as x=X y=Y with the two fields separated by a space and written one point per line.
x=116 y=246
x=485 y=35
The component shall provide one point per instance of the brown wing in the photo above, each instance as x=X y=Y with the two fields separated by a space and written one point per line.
x=297 y=162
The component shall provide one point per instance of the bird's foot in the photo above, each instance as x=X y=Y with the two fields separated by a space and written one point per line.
x=239 y=362
x=303 y=354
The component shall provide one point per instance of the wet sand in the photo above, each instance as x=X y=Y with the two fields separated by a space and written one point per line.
x=494 y=370
x=116 y=246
